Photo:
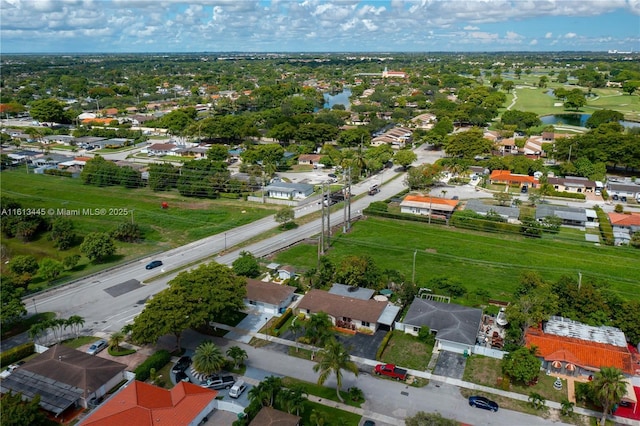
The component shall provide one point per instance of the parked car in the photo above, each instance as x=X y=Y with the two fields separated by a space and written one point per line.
x=181 y=376
x=153 y=264
x=482 y=402
x=183 y=363
x=97 y=347
x=369 y=423
x=392 y=371
x=219 y=382
x=237 y=389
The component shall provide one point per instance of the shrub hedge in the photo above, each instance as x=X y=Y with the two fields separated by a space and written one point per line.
x=16 y=354
x=282 y=320
x=56 y=172
x=383 y=345
x=606 y=230
x=404 y=216
x=157 y=361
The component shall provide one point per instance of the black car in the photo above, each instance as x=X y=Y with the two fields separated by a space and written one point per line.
x=181 y=376
x=482 y=402
x=183 y=363
x=154 y=264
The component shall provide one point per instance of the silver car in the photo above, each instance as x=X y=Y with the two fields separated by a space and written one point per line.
x=97 y=347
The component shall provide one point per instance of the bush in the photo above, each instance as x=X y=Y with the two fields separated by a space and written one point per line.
x=157 y=361
x=121 y=352
x=383 y=345
x=282 y=320
x=16 y=354
x=56 y=172
x=606 y=230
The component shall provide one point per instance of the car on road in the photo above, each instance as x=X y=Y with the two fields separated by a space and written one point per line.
x=97 y=347
x=183 y=363
x=482 y=402
x=369 y=423
x=153 y=264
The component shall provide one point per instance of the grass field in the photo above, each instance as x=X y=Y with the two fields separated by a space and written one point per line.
x=185 y=220
x=492 y=262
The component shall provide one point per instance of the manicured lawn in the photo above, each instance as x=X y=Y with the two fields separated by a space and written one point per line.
x=332 y=416
x=407 y=351
x=82 y=340
x=477 y=260
x=314 y=389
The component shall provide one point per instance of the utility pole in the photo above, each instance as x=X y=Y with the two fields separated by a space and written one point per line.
x=413 y=275
x=328 y=216
x=322 y=223
x=349 y=202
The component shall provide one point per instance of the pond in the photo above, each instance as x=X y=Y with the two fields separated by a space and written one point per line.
x=577 y=120
x=338 y=98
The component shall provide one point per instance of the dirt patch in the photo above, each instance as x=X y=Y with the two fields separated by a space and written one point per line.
x=430 y=250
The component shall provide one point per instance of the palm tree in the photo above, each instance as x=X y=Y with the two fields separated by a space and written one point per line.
x=334 y=359
x=237 y=354
x=295 y=328
x=355 y=394
x=56 y=325
x=536 y=400
x=566 y=407
x=75 y=322
x=208 y=358
x=115 y=340
x=266 y=392
x=318 y=329
x=317 y=418
x=37 y=331
x=610 y=388
x=292 y=399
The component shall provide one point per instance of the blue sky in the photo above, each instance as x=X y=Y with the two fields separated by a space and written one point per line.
x=51 y=26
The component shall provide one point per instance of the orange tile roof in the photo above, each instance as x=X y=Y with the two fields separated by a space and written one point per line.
x=624 y=219
x=583 y=353
x=144 y=404
x=505 y=175
x=431 y=200
x=98 y=120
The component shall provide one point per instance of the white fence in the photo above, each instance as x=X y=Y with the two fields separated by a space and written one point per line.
x=492 y=353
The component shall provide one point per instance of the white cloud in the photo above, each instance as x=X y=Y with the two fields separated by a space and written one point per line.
x=570 y=35
x=471 y=28
x=533 y=42
x=513 y=36
x=548 y=35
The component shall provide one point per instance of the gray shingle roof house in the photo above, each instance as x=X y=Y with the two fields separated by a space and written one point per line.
x=349 y=291
x=511 y=214
x=569 y=215
x=268 y=416
x=64 y=377
x=456 y=326
x=289 y=191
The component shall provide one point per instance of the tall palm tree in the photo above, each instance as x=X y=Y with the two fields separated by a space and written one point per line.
x=75 y=322
x=334 y=359
x=318 y=329
x=237 y=354
x=208 y=358
x=266 y=392
x=295 y=328
x=117 y=337
x=37 y=331
x=610 y=388
x=566 y=407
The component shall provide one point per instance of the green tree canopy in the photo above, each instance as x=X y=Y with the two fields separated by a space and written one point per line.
x=15 y=412
x=521 y=365
x=211 y=292
x=97 y=246
x=48 y=110
x=246 y=265
x=467 y=144
x=405 y=157
x=208 y=358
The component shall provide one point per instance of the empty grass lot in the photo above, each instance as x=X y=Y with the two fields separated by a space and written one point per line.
x=477 y=260
x=185 y=220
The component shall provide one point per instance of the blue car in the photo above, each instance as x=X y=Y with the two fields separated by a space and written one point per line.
x=482 y=402
x=154 y=264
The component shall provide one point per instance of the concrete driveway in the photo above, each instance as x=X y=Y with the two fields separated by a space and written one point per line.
x=362 y=345
x=450 y=364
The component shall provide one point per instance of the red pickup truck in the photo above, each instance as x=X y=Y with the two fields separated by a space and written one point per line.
x=392 y=371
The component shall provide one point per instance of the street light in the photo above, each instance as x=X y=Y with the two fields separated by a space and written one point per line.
x=34 y=305
x=225 y=241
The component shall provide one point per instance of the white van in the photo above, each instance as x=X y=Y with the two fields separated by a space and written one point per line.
x=237 y=389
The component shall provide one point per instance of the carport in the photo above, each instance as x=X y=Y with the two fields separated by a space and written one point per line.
x=388 y=317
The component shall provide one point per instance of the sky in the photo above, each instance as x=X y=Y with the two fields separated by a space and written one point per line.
x=146 y=26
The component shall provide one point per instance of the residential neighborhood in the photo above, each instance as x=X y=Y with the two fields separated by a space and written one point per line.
x=208 y=239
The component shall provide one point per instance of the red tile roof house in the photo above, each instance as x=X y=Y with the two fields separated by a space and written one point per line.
x=573 y=348
x=630 y=221
x=268 y=416
x=421 y=205
x=269 y=297
x=345 y=312
x=143 y=404
x=505 y=177
x=64 y=378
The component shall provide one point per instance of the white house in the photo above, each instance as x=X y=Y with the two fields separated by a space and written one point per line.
x=269 y=297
